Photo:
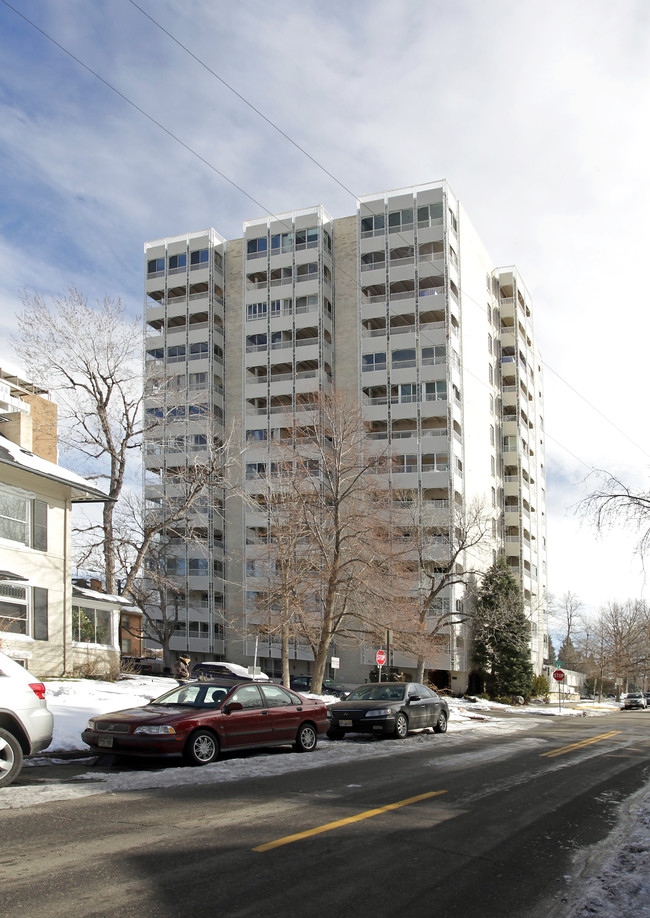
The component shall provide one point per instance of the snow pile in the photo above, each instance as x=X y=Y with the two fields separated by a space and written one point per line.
x=622 y=886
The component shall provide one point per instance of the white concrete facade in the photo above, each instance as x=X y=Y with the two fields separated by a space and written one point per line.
x=400 y=306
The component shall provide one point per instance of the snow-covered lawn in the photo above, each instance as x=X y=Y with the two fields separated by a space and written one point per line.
x=622 y=887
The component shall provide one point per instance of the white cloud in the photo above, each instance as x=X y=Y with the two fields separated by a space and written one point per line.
x=533 y=112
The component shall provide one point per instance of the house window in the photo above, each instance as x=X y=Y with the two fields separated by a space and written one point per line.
x=14 y=609
x=23 y=520
x=91 y=626
x=156 y=267
x=199 y=350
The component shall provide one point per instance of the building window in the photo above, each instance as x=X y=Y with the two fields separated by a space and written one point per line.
x=430 y=215
x=400 y=220
x=432 y=356
x=403 y=358
x=256 y=248
x=434 y=391
x=373 y=362
x=452 y=221
x=256 y=310
x=176 y=353
x=199 y=259
x=306 y=239
x=199 y=350
x=91 y=626
x=177 y=263
x=282 y=242
x=372 y=226
x=156 y=267
x=307 y=272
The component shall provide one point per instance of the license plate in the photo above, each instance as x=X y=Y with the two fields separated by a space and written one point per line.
x=106 y=742
x=345 y=723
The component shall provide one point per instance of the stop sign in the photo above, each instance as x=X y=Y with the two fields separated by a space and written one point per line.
x=558 y=675
x=381 y=657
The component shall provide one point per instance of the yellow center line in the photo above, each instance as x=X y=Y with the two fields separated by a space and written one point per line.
x=288 y=839
x=588 y=742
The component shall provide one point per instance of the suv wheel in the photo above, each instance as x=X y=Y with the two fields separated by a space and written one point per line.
x=11 y=758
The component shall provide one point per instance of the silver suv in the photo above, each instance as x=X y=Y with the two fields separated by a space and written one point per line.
x=25 y=721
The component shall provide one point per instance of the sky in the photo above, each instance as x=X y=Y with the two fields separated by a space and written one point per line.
x=535 y=113
x=618 y=886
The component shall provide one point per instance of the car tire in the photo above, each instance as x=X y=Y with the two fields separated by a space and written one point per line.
x=401 y=726
x=306 y=738
x=11 y=758
x=202 y=748
x=441 y=724
x=335 y=733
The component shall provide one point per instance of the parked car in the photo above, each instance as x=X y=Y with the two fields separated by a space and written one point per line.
x=199 y=719
x=146 y=666
x=388 y=708
x=25 y=721
x=330 y=686
x=634 y=700
x=210 y=669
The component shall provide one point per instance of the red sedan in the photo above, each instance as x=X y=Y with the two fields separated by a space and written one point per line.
x=200 y=719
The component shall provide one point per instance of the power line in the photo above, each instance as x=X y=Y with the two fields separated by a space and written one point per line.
x=243 y=191
x=334 y=178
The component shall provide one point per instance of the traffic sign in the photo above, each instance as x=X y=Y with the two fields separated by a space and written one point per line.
x=381 y=657
x=558 y=675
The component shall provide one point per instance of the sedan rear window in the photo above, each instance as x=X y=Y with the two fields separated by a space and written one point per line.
x=377 y=693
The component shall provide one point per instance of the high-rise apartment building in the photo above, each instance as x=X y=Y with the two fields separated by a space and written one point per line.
x=400 y=307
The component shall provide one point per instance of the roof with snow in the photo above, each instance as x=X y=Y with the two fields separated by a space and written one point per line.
x=98 y=596
x=13 y=455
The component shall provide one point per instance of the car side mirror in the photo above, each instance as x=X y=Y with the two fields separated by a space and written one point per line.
x=233 y=706
x=414 y=697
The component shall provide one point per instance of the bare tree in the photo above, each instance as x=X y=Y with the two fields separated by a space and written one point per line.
x=566 y=611
x=91 y=358
x=435 y=558
x=620 y=642
x=333 y=553
x=278 y=559
x=613 y=503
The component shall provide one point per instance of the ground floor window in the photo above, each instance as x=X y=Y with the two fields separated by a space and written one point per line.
x=91 y=626
x=14 y=609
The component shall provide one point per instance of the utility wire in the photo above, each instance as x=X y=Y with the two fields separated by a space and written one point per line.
x=243 y=191
x=317 y=163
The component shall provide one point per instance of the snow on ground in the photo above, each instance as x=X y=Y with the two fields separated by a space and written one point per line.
x=621 y=887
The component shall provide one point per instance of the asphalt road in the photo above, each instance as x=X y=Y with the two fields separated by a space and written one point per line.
x=486 y=825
